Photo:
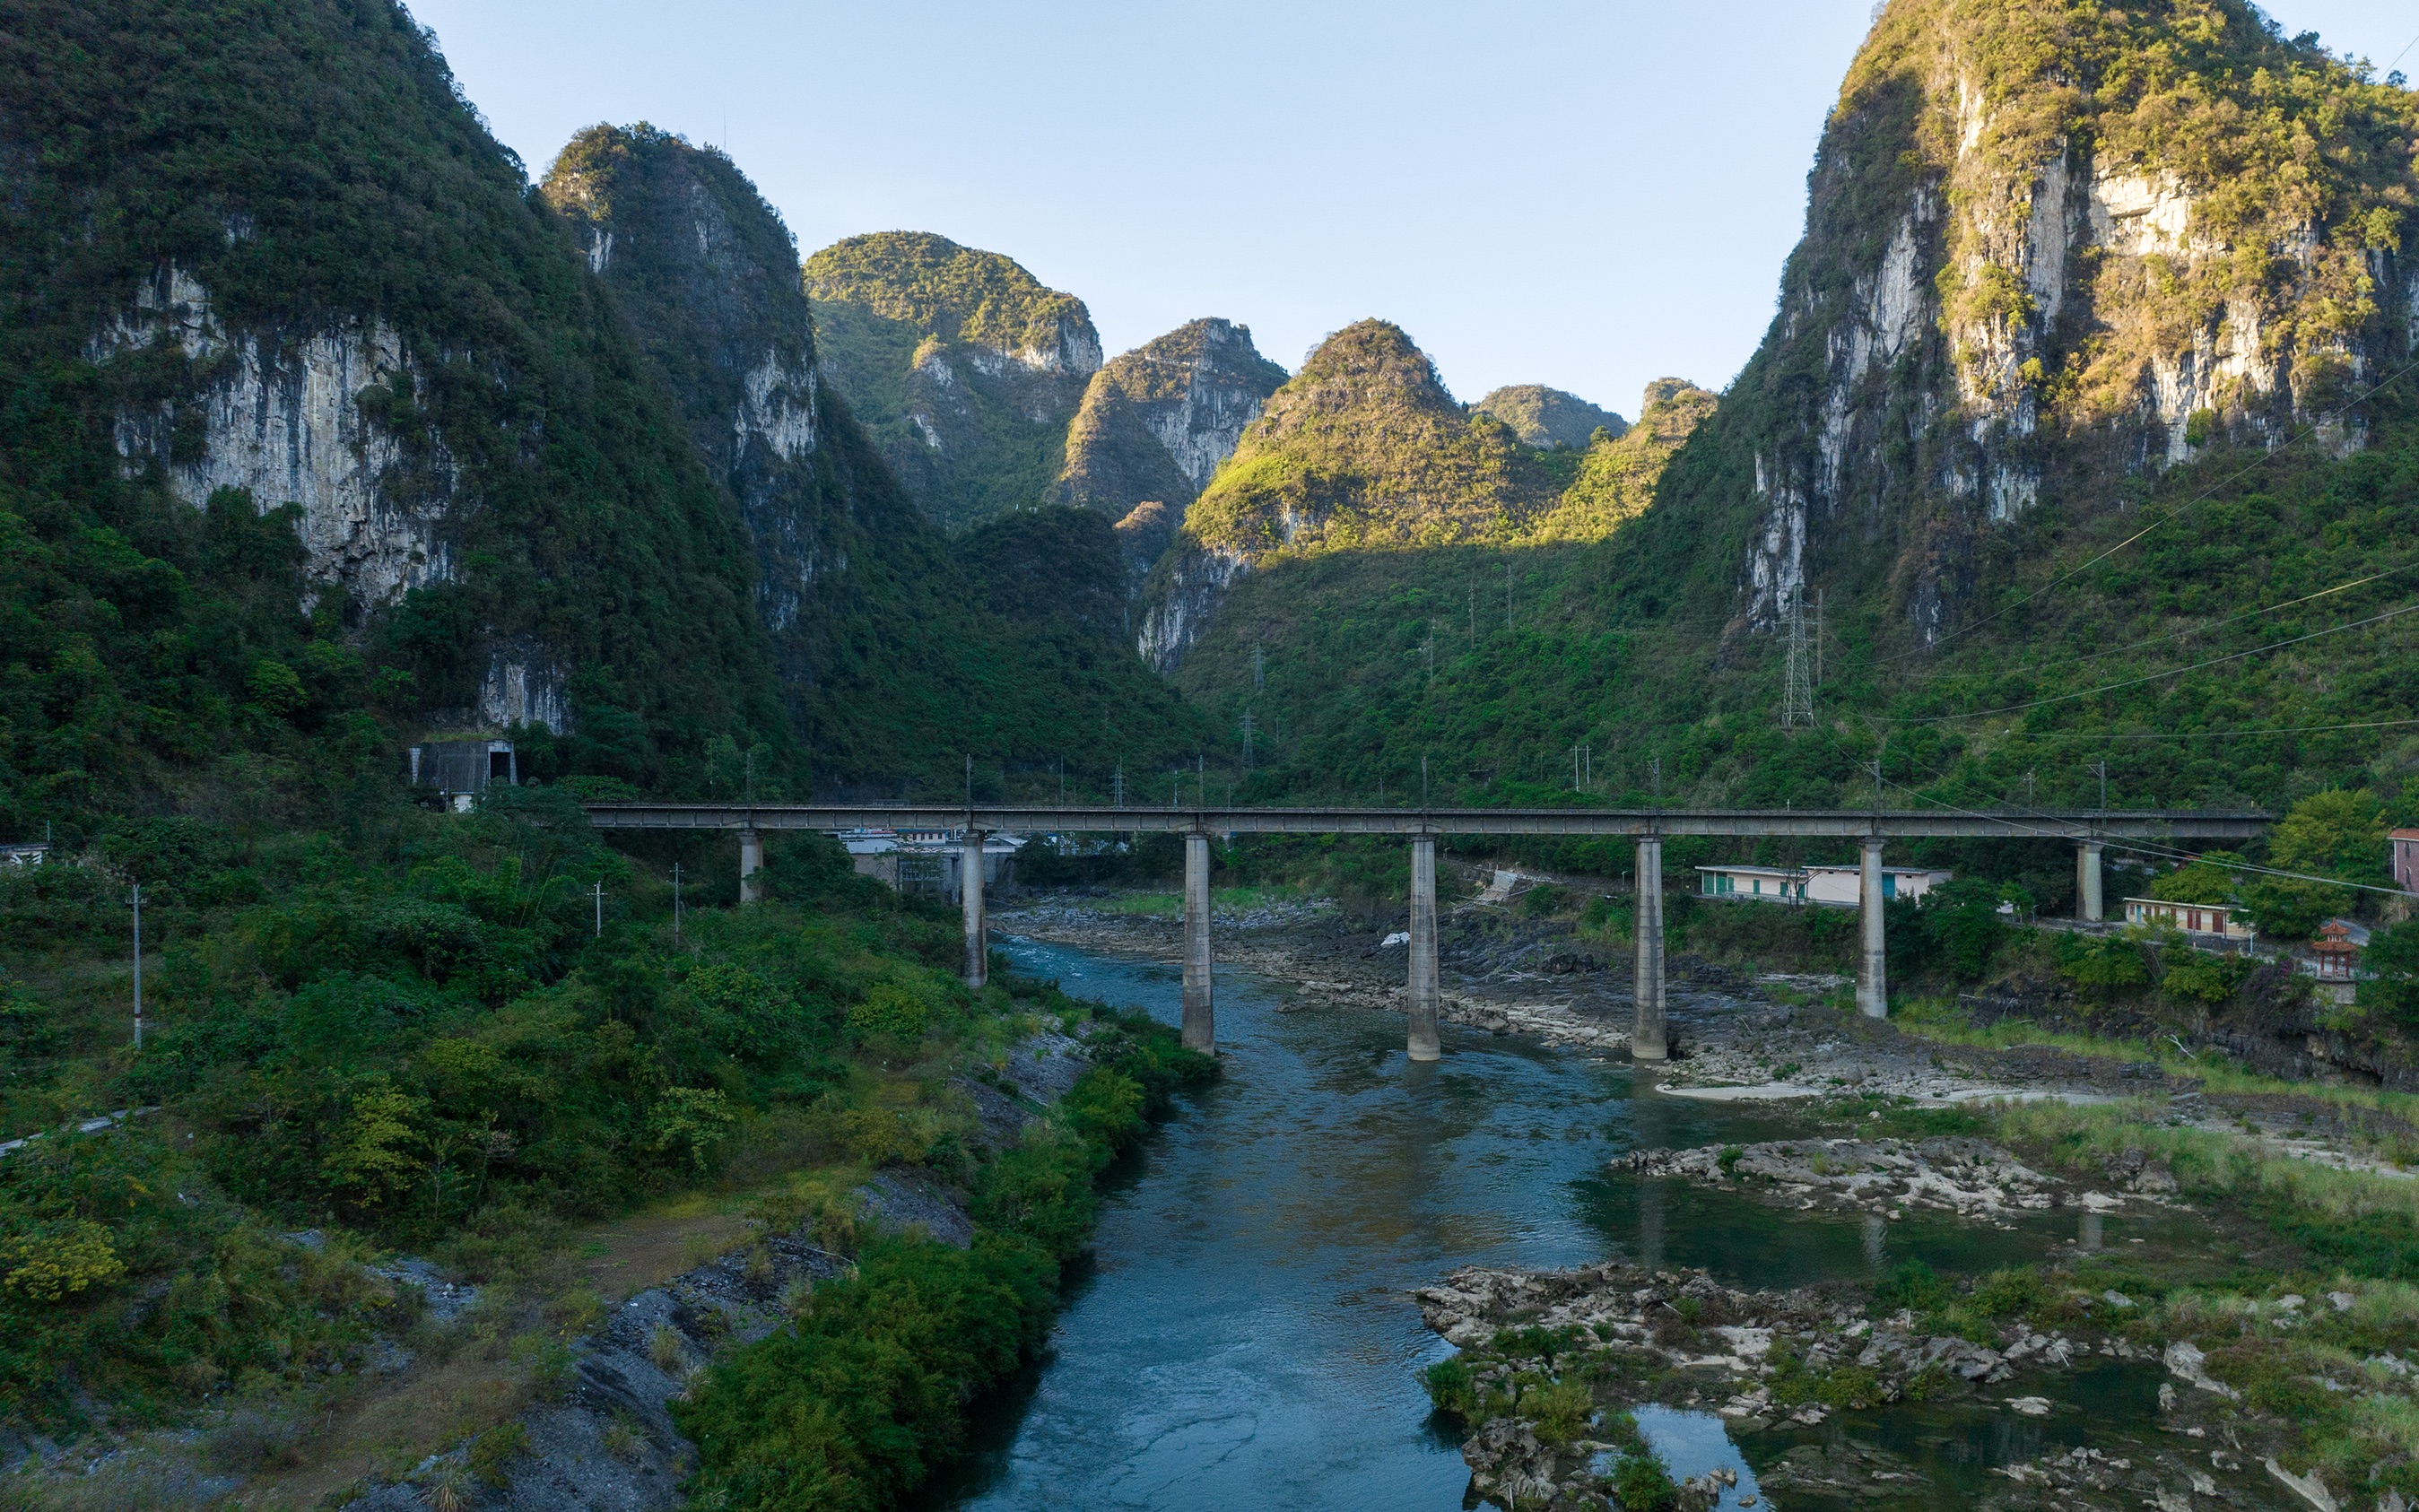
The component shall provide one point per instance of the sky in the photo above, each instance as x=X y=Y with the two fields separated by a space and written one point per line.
x=1587 y=196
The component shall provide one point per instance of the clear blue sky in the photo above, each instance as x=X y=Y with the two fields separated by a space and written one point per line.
x=1588 y=195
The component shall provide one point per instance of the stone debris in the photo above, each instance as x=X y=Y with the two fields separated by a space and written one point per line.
x=2183 y=1361
x=1971 y=1178
x=1768 y=1358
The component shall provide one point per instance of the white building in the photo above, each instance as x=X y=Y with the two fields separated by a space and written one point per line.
x=2192 y=919
x=928 y=860
x=1836 y=887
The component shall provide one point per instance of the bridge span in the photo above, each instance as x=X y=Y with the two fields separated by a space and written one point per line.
x=2088 y=831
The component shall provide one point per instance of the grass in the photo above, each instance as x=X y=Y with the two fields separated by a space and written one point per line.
x=1943 y=1022
x=1222 y=900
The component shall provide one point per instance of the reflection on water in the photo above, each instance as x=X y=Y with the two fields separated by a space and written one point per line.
x=1247 y=1338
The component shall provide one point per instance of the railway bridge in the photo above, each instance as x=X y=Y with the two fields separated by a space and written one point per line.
x=2088 y=831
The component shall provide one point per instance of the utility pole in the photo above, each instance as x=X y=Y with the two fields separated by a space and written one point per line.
x=1424 y=784
x=138 y=966
x=1655 y=768
x=676 y=904
x=1117 y=786
x=2028 y=790
x=600 y=910
x=1247 y=740
x=1878 y=750
x=1818 y=638
x=1574 y=768
x=1201 y=777
x=2102 y=767
x=1798 y=678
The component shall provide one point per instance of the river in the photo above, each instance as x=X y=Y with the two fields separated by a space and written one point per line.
x=1246 y=1337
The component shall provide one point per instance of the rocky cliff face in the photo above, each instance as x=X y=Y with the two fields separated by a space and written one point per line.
x=961 y=366
x=361 y=315
x=702 y=270
x=2046 y=246
x=1544 y=417
x=279 y=415
x=1155 y=424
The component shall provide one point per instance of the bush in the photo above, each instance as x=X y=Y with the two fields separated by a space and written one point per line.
x=1640 y=1484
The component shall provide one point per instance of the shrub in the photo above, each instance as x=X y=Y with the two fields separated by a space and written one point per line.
x=1640 y=1484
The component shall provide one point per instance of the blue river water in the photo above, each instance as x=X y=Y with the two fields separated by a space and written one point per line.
x=1247 y=1338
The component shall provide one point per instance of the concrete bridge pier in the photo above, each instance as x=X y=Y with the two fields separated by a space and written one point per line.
x=1873 y=978
x=751 y=861
x=1200 y=1019
x=1423 y=1041
x=1648 y=1037
x=2090 y=906
x=970 y=897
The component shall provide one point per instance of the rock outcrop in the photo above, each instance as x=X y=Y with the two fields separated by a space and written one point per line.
x=704 y=270
x=290 y=417
x=1156 y=422
x=961 y=366
x=2035 y=261
x=1544 y=417
x=359 y=320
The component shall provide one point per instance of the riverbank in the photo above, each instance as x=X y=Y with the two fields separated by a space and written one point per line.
x=2273 y=1194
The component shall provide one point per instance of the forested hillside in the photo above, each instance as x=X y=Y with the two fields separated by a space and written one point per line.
x=316 y=323
x=2041 y=535
x=898 y=653
x=965 y=369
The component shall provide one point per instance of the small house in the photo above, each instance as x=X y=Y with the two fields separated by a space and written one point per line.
x=2223 y=919
x=1836 y=887
x=461 y=768
x=2406 y=858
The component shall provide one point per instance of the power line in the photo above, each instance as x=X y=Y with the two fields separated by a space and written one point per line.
x=2152 y=677
x=2197 y=500
x=2141 y=847
x=2206 y=629
x=2244 y=734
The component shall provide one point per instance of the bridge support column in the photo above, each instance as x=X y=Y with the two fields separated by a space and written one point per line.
x=1200 y=1019
x=970 y=897
x=1425 y=1044
x=1872 y=976
x=2089 y=905
x=751 y=861
x=1648 y=1037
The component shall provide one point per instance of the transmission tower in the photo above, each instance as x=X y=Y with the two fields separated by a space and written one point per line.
x=1797 y=689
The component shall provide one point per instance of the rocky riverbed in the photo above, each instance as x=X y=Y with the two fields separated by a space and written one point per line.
x=1971 y=1178
x=1787 y=1361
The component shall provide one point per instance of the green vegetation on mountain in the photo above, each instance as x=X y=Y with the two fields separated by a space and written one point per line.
x=899 y=655
x=1365 y=448
x=1156 y=420
x=1544 y=417
x=961 y=366
x=1618 y=471
x=308 y=165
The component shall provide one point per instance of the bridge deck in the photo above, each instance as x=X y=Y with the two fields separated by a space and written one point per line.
x=2140 y=823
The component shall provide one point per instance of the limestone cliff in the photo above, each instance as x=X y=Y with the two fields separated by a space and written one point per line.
x=961 y=366
x=702 y=270
x=2048 y=245
x=1155 y=424
x=1544 y=417
x=355 y=318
